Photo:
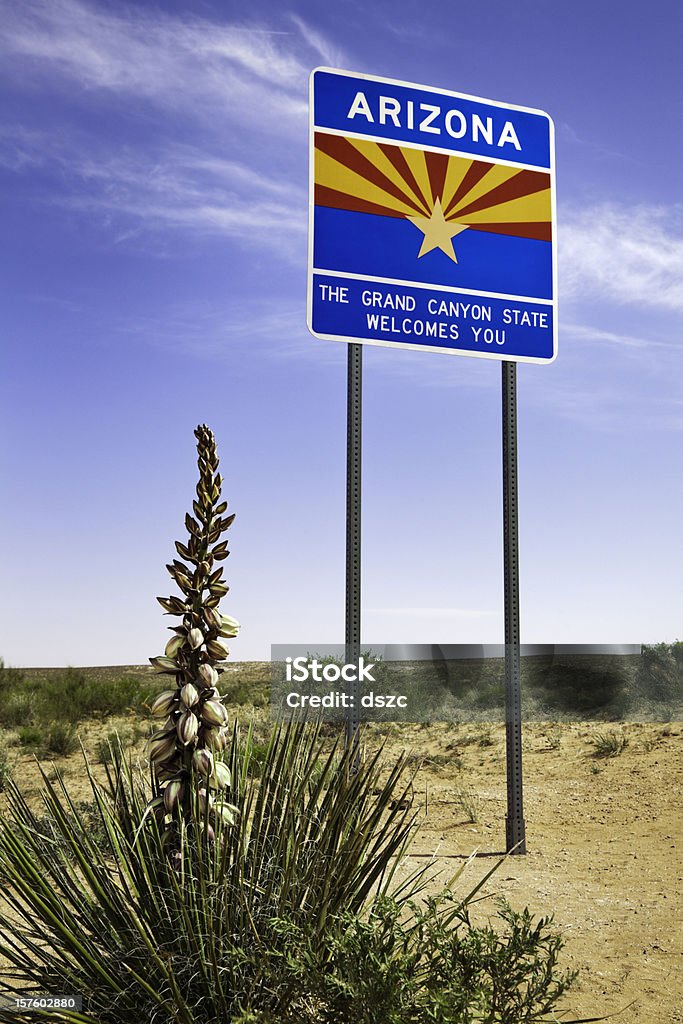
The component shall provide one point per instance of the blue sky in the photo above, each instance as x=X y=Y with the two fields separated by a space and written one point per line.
x=153 y=182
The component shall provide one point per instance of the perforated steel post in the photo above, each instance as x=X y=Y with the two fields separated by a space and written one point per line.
x=515 y=827
x=353 y=508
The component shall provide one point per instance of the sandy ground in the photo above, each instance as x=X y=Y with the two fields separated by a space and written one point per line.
x=603 y=851
x=603 y=845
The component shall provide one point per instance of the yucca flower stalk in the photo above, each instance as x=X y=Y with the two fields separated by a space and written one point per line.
x=186 y=751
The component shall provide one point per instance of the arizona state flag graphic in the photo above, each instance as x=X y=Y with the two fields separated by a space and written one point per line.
x=444 y=205
x=416 y=215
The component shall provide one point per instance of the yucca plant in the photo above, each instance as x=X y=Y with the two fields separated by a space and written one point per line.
x=147 y=940
x=186 y=750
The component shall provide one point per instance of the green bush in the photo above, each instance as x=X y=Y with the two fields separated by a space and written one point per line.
x=5 y=766
x=62 y=738
x=30 y=736
x=17 y=707
x=72 y=696
x=433 y=966
x=660 y=672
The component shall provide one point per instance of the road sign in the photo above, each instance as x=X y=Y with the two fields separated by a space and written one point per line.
x=432 y=220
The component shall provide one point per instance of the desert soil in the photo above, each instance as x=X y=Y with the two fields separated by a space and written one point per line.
x=603 y=850
x=603 y=844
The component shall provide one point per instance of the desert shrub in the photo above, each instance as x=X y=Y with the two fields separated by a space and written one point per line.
x=468 y=801
x=553 y=736
x=608 y=744
x=61 y=738
x=434 y=965
x=17 y=707
x=5 y=766
x=31 y=736
x=72 y=695
x=587 y=685
x=10 y=678
x=243 y=691
x=660 y=672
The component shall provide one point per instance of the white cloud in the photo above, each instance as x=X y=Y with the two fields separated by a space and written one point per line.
x=177 y=189
x=585 y=332
x=247 y=73
x=629 y=255
x=331 y=54
x=235 y=93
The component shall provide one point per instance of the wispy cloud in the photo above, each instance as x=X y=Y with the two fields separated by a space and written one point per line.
x=629 y=255
x=584 y=332
x=236 y=93
x=329 y=52
x=171 y=61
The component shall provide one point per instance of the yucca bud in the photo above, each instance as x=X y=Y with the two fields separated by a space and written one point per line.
x=202 y=760
x=174 y=645
x=173 y=793
x=221 y=776
x=156 y=808
x=183 y=581
x=217 y=650
x=216 y=738
x=205 y=799
x=162 y=664
x=173 y=605
x=187 y=728
x=229 y=627
x=164 y=703
x=207 y=675
x=165 y=770
x=228 y=813
x=214 y=619
x=162 y=745
x=189 y=695
x=213 y=713
x=196 y=638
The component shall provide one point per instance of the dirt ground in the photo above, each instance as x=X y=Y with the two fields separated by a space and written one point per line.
x=603 y=844
x=603 y=850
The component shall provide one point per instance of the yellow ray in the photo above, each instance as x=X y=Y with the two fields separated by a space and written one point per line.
x=496 y=176
x=374 y=154
x=331 y=173
x=457 y=169
x=416 y=161
x=533 y=208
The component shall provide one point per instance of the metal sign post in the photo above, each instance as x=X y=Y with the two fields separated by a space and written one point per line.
x=515 y=828
x=432 y=228
x=353 y=508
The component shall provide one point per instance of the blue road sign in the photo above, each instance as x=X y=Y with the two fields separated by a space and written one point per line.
x=432 y=220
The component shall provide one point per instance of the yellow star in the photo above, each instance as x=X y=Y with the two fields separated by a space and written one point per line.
x=437 y=232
